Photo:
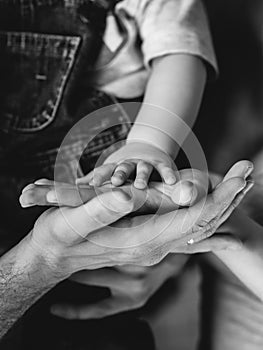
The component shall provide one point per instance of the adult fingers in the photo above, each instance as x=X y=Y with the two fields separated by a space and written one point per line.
x=34 y=195
x=242 y=168
x=143 y=173
x=190 y=188
x=202 y=219
x=46 y=182
x=107 y=307
x=106 y=277
x=239 y=197
x=56 y=194
x=99 y=212
x=218 y=208
x=214 y=243
x=122 y=173
x=72 y=196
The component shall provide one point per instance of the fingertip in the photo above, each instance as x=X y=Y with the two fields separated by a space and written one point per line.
x=184 y=193
x=24 y=203
x=80 y=180
x=171 y=180
x=118 y=180
x=140 y=184
x=28 y=187
x=54 y=310
x=59 y=311
x=250 y=168
x=51 y=197
x=43 y=182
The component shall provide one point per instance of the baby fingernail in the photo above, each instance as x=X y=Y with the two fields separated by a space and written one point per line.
x=140 y=184
x=51 y=197
x=171 y=180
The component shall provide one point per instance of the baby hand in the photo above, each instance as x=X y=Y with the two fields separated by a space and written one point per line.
x=137 y=157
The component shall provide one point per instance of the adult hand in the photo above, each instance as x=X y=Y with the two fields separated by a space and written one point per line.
x=142 y=240
x=192 y=185
x=60 y=234
x=130 y=286
x=146 y=240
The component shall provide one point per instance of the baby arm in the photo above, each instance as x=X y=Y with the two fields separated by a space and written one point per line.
x=172 y=99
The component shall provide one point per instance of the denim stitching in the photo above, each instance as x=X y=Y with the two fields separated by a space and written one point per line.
x=65 y=47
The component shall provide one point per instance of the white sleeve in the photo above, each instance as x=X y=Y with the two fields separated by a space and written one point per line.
x=175 y=26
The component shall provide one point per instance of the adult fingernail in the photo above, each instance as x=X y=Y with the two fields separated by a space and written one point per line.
x=249 y=170
x=41 y=182
x=28 y=187
x=51 y=197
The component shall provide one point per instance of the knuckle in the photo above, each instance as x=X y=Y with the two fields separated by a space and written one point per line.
x=203 y=229
x=144 y=167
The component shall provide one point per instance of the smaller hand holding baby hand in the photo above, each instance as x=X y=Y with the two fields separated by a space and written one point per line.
x=135 y=156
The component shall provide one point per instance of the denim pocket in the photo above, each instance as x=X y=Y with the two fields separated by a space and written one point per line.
x=34 y=70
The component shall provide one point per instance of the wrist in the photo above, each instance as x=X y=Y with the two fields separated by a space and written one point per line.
x=154 y=137
x=50 y=262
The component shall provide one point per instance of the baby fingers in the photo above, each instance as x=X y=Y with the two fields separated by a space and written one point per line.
x=122 y=173
x=143 y=173
x=98 y=176
x=167 y=173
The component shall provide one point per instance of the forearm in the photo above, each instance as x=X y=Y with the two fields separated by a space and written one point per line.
x=247 y=263
x=172 y=100
x=25 y=275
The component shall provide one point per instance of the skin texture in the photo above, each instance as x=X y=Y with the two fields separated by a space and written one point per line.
x=131 y=287
x=192 y=185
x=58 y=246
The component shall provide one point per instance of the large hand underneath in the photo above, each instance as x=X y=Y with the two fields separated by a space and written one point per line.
x=145 y=239
x=191 y=187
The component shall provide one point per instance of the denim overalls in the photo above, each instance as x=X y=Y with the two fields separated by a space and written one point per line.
x=47 y=50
